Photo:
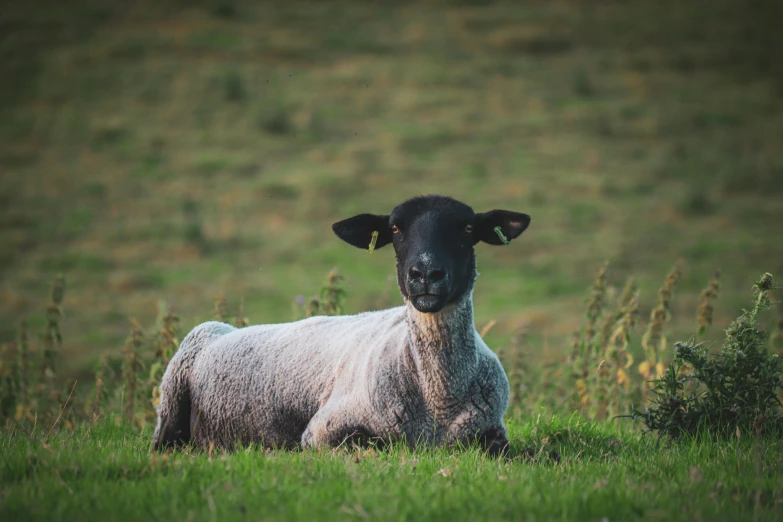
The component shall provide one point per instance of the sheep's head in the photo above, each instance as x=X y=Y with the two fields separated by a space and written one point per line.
x=433 y=238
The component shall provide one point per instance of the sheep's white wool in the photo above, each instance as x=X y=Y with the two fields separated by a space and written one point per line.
x=395 y=374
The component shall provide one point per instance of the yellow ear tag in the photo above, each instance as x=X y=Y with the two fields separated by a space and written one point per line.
x=373 y=241
x=503 y=238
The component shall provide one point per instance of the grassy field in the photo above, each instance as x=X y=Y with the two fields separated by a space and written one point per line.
x=156 y=151
x=595 y=473
x=165 y=153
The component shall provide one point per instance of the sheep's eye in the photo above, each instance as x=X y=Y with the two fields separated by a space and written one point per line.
x=395 y=229
x=468 y=228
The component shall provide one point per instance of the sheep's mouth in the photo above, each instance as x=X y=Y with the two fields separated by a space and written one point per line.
x=428 y=303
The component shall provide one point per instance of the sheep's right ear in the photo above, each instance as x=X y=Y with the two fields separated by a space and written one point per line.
x=357 y=231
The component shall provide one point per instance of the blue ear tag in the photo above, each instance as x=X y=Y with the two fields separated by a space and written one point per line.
x=373 y=241
x=503 y=238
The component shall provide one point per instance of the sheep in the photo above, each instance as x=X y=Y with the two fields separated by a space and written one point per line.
x=418 y=373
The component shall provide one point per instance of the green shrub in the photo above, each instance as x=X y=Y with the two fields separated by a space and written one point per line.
x=730 y=392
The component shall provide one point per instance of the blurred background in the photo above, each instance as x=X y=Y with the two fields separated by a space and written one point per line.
x=164 y=151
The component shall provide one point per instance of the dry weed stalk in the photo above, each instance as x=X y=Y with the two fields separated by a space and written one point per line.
x=52 y=341
x=333 y=294
x=131 y=366
x=776 y=340
x=164 y=346
x=220 y=310
x=618 y=346
x=166 y=340
x=313 y=307
x=777 y=337
x=23 y=399
x=586 y=359
x=99 y=395
x=601 y=357
x=330 y=300
x=241 y=321
x=516 y=364
x=7 y=382
x=606 y=329
x=610 y=378
x=578 y=371
x=704 y=316
x=597 y=302
x=705 y=311
x=654 y=341
x=486 y=328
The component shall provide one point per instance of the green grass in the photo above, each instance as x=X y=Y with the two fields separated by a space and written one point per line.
x=106 y=472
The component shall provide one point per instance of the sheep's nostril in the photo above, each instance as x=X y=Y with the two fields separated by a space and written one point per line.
x=436 y=275
x=414 y=273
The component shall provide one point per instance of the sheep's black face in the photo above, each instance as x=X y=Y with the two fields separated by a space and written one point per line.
x=433 y=239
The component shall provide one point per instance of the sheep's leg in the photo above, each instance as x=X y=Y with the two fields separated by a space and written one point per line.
x=495 y=441
x=173 y=428
x=174 y=411
x=334 y=427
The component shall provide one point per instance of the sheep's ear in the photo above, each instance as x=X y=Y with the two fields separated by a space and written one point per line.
x=508 y=224
x=357 y=231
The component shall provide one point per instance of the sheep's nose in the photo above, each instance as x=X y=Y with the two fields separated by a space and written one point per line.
x=436 y=275
x=427 y=275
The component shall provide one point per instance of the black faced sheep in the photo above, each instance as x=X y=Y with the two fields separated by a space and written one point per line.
x=419 y=373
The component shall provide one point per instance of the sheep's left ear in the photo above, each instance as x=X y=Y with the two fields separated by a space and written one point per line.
x=357 y=230
x=510 y=224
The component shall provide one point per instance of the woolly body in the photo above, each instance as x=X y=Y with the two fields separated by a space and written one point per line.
x=395 y=374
